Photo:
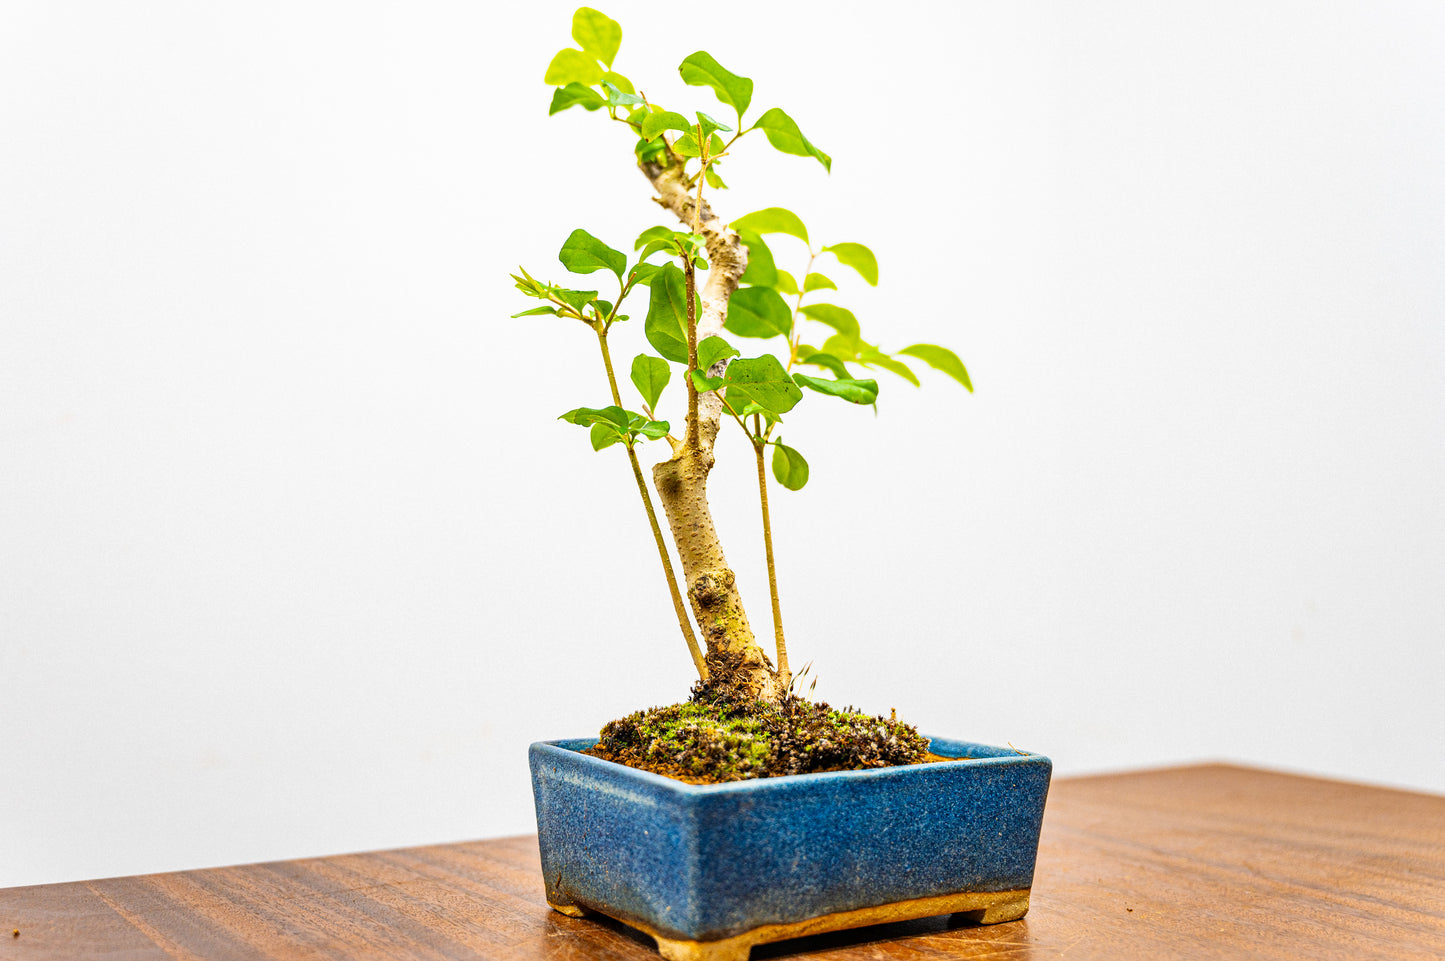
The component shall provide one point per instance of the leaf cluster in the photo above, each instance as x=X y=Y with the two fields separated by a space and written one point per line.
x=613 y=425
x=583 y=77
x=823 y=350
x=761 y=309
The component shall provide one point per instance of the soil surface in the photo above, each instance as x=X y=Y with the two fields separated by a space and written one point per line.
x=717 y=736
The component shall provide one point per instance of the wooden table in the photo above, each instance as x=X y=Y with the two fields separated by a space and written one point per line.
x=1197 y=862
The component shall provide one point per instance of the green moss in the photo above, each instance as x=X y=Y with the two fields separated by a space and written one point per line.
x=717 y=736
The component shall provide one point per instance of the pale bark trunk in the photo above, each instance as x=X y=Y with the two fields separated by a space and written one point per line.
x=733 y=655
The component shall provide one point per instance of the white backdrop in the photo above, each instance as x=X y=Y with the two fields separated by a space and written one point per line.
x=294 y=558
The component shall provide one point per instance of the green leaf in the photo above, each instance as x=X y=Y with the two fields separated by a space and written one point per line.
x=608 y=424
x=842 y=347
x=655 y=246
x=652 y=233
x=941 y=358
x=651 y=429
x=701 y=70
x=876 y=359
x=587 y=416
x=618 y=98
x=666 y=324
x=650 y=152
x=604 y=435
x=597 y=33
x=576 y=299
x=694 y=244
x=713 y=180
x=686 y=146
x=785 y=136
x=613 y=425
x=643 y=274
x=819 y=359
x=762 y=381
x=709 y=125
x=858 y=257
x=654 y=239
x=786 y=284
x=574 y=95
x=814 y=282
x=789 y=467
x=619 y=81
x=572 y=66
x=679 y=244
x=761 y=267
x=650 y=375
x=656 y=123
x=757 y=312
x=583 y=253
x=836 y=317
x=715 y=146
x=855 y=391
x=531 y=286
x=703 y=382
x=772 y=220
x=713 y=349
x=536 y=310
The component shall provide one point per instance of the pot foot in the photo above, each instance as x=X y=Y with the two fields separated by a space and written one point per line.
x=730 y=949
x=977 y=907
x=997 y=913
x=571 y=910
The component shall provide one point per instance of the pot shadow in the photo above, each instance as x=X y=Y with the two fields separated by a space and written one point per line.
x=570 y=938
x=963 y=926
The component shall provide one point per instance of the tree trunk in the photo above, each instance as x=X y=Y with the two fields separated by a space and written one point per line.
x=734 y=658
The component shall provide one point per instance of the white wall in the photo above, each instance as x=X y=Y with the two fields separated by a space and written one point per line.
x=294 y=558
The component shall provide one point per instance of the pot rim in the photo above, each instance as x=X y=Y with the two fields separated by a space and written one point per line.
x=572 y=749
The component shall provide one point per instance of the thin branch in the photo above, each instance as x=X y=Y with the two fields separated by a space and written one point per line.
x=784 y=674
x=607 y=363
x=691 y=435
x=794 y=338
x=683 y=623
x=734 y=414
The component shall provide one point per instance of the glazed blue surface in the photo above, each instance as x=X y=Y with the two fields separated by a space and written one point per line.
x=703 y=862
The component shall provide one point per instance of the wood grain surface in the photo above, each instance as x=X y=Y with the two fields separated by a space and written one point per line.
x=1198 y=862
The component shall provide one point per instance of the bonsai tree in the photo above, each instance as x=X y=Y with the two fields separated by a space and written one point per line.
x=711 y=281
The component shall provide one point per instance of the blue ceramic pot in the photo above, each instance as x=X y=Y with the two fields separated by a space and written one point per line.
x=709 y=870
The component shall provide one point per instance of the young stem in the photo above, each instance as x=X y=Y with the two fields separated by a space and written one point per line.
x=785 y=676
x=702 y=161
x=689 y=272
x=683 y=623
x=794 y=337
x=607 y=362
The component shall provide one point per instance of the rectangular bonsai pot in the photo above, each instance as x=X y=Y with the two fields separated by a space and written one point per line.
x=709 y=870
